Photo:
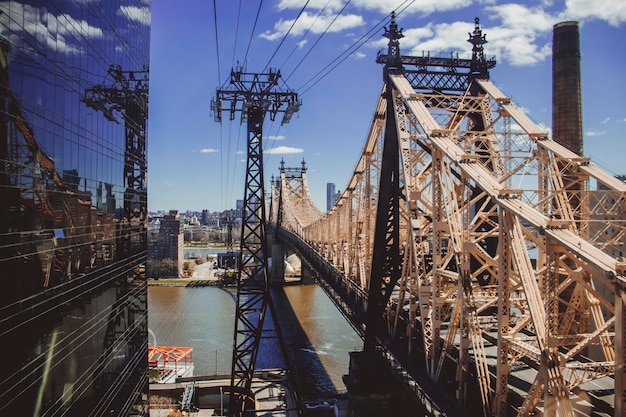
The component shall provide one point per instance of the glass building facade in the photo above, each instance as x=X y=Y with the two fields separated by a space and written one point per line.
x=73 y=207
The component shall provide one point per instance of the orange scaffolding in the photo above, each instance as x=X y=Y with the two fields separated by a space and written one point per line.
x=169 y=357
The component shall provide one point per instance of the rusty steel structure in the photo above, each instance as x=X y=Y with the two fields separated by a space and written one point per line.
x=490 y=249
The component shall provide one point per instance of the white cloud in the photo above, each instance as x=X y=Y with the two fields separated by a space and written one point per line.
x=314 y=24
x=283 y=150
x=522 y=19
x=518 y=34
x=137 y=14
x=423 y=7
x=612 y=11
x=54 y=31
x=312 y=4
x=275 y=137
x=594 y=133
x=606 y=120
x=66 y=25
x=524 y=35
x=437 y=38
x=208 y=150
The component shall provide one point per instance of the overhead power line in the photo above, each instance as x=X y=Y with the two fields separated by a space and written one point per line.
x=236 y=34
x=285 y=35
x=349 y=51
x=320 y=37
x=217 y=44
x=256 y=20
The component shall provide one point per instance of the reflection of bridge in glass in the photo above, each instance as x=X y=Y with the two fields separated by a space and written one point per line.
x=427 y=250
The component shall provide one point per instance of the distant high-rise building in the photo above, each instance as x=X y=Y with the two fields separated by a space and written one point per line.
x=238 y=209
x=330 y=195
x=171 y=241
x=73 y=207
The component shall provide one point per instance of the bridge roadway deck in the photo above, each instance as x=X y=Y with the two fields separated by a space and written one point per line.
x=594 y=398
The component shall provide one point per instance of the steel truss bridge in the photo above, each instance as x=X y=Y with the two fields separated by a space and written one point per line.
x=470 y=236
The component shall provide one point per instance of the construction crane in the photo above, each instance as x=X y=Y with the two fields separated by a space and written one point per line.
x=253 y=95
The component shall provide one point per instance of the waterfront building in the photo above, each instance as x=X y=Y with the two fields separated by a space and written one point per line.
x=171 y=242
x=73 y=207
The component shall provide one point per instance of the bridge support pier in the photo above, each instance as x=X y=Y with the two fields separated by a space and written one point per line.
x=277 y=271
x=373 y=390
x=306 y=276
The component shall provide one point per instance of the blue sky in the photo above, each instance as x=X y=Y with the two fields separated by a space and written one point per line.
x=328 y=58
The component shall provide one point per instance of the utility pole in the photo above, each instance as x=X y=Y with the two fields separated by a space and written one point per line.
x=253 y=95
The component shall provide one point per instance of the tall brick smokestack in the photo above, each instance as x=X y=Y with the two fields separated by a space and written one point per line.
x=567 y=125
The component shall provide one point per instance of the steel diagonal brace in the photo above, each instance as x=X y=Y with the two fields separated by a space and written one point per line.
x=605 y=264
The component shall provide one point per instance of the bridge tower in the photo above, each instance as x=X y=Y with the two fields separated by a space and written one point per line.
x=510 y=300
x=253 y=95
x=386 y=261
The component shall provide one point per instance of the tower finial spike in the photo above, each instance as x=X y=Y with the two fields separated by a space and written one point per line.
x=394 y=35
x=477 y=39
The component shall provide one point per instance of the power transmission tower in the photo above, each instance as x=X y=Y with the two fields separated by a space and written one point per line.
x=253 y=95
x=229 y=236
x=127 y=98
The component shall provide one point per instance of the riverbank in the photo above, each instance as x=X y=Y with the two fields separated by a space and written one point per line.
x=182 y=282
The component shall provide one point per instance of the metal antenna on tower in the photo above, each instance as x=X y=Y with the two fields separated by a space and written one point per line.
x=253 y=95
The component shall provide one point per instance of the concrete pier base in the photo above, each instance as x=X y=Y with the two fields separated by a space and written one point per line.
x=372 y=390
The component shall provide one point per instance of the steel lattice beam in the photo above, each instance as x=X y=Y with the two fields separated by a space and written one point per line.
x=254 y=96
x=508 y=269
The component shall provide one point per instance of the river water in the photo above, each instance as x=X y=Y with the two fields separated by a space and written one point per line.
x=319 y=341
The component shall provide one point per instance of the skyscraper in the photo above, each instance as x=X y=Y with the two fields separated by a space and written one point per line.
x=73 y=205
x=171 y=242
x=330 y=195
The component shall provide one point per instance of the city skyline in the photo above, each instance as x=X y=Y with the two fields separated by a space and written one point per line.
x=196 y=163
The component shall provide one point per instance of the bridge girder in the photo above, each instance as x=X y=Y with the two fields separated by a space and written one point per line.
x=507 y=268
